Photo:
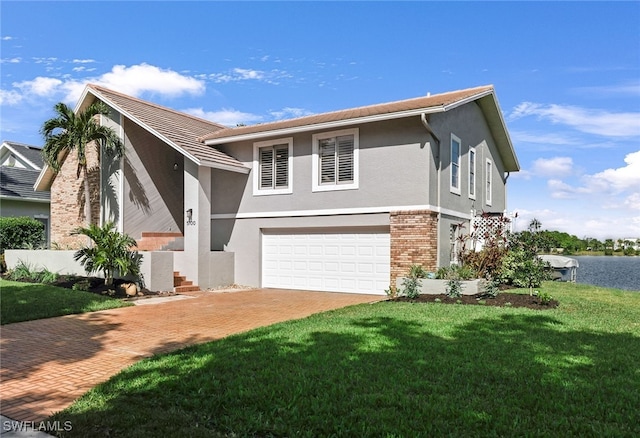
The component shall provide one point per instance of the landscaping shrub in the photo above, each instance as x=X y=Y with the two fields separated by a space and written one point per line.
x=20 y=232
x=110 y=252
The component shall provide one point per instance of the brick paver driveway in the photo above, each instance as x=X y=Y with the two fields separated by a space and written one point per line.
x=47 y=364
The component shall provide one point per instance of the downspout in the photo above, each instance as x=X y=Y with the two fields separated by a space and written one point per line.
x=425 y=123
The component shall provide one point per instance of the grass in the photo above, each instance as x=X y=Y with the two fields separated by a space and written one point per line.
x=29 y=301
x=393 y=369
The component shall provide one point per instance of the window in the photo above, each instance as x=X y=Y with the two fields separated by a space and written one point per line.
x=335 y=160
x=455 y=165
x=272 y=164
x=488 y=176
x=472 y=173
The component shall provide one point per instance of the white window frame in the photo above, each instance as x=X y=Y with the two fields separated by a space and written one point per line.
x=488 y=181
x=473 y=186
x=257 y=191
x=452 y=188
x=315 y=161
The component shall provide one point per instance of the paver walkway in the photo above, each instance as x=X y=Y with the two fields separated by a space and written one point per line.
x=48 y=363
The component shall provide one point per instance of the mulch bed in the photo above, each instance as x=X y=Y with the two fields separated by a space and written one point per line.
x=96 y=285
x=503 y=299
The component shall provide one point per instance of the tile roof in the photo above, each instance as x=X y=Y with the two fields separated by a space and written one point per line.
x=16 y=182
x=409 y=105
x=179 y=129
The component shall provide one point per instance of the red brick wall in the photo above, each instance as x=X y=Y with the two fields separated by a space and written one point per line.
x=414 y=241
x=67 y=200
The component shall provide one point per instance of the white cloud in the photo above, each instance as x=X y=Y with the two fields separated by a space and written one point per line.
x=632 y=201
x=141 y=78
x=7 y=38
x=227 y=117
x=133 y=80
x=10 y=97
x=547 y=138
x=622 y=178
x=556 y=167
x=40 y=86
x=246 y=74
x=289 y=113
x=83 y=61
x=628 y=89
x=599 y=122
x=11 y=61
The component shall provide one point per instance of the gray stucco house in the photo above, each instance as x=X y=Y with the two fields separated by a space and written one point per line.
x=342 y=201
x=20 y=166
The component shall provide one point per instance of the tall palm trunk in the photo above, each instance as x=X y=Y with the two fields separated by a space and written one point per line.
x=87 y=196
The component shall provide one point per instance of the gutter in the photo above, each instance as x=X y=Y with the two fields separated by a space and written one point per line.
x=425 y=123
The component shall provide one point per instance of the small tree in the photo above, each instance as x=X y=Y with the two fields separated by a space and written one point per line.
x=110 y=252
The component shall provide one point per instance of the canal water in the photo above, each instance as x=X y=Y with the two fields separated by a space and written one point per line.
x=620 y=272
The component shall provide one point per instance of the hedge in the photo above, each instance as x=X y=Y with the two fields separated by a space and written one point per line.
x=20 y=233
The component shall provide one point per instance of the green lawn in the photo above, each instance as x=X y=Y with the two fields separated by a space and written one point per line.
x=393 y=369
x=28 y=301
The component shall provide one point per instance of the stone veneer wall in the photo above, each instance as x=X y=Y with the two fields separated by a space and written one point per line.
x=67 y=199
x=414 y=240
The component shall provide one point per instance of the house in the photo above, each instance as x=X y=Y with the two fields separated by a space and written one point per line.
x=20 y=166
x=342 y=201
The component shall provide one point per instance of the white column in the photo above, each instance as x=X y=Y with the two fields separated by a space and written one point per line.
x=197 y=226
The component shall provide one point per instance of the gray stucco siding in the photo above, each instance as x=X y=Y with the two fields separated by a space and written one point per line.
x=153 y=190
x=469 y=125
x=393 y=171
x=243 y=236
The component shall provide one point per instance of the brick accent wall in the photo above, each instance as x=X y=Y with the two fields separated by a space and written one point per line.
x=67 y=200
x=414 y=240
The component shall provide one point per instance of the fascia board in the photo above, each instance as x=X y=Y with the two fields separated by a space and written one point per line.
x=214 y=165
x=321 y=126
x=34 y=200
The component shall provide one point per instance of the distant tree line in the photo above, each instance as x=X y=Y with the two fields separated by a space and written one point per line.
x=565 y=243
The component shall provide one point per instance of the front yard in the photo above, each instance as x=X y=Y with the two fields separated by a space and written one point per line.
x=393 y=369
x=27 y=301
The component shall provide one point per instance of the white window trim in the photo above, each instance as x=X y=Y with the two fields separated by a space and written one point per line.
x=488 y=188
x=473 y=166
x=257 y=191
x=452 y=188
x=315 y=161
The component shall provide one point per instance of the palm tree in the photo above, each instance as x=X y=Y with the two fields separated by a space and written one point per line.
x=68 y=132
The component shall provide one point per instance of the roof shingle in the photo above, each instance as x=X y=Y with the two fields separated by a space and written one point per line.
x=426 y=102
x=182 y=130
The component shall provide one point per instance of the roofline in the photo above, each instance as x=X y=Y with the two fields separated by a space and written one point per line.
x=220 y=166
x=8 y=146
x=93 y=89
x=35 y=200
x=96 y=93
x=325 y=125
x=347 y=122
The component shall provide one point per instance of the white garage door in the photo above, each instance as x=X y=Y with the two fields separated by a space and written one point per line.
x=336 y=262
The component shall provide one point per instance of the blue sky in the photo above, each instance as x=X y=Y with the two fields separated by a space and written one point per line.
x=567 y=76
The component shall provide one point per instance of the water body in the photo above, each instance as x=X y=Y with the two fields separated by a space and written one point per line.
x=619 y=272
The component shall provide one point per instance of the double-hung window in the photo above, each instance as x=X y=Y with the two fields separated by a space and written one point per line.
x=472 y=173
x=272 y=164
x=454 y=182
x=335 y=160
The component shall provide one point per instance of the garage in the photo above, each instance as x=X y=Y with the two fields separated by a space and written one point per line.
x=355 y=261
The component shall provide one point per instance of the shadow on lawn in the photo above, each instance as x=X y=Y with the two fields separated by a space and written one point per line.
x=515 y=373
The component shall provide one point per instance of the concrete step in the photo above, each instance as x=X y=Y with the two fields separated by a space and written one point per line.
x=181 y=284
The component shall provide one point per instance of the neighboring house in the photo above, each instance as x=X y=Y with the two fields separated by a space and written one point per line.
x=343 y=201
x=20 y=166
